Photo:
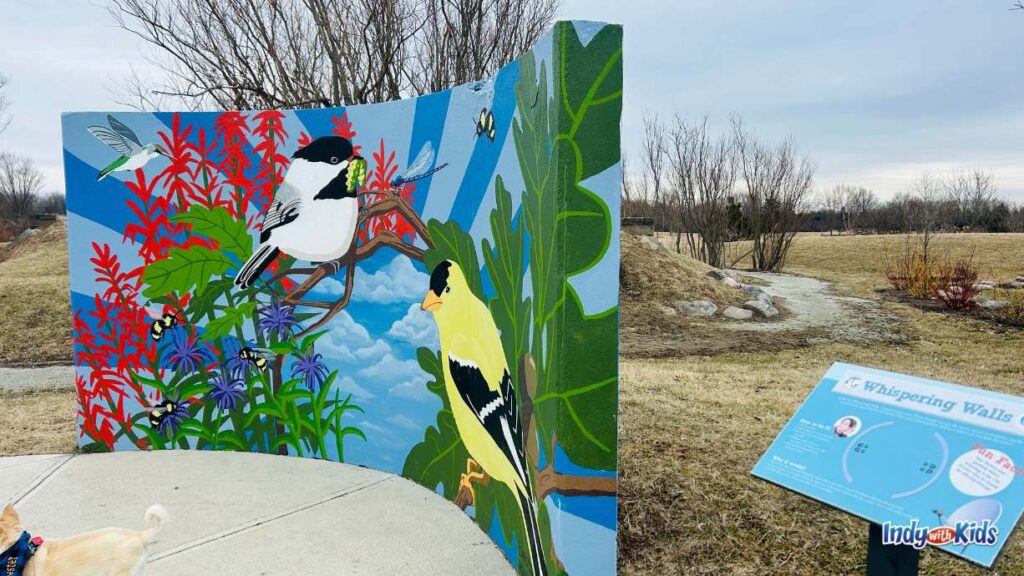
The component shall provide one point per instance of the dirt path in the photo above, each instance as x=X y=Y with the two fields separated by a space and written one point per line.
x=814 y=306
x=814 y=314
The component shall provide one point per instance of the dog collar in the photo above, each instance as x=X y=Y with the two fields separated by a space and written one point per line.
x=14 y=559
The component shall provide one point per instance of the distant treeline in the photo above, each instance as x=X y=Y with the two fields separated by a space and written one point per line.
x=965 y=201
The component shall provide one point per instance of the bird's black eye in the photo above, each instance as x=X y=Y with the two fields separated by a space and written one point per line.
x=447 y=289
x=335 y=160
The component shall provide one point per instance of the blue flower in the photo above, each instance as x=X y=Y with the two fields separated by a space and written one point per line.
x=170 y=419
x=226 y=391
x=278 y=318
x=237 y=367
x=310 y=367
x=187 y=354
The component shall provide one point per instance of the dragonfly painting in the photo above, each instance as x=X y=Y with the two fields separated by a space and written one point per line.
x=420 y=168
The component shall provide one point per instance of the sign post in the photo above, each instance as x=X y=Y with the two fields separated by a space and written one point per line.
x=889 y=560
x=925 y=462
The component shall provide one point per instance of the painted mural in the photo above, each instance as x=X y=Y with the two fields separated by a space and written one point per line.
x=427 y=287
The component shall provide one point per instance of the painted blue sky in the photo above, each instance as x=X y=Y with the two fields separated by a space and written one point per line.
x=875 y=91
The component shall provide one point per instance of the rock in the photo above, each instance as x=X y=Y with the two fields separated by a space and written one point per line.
x=737 y=313
x=26 y=233
x=1016 y=284
x=1019 y=279
x=700 y=308
x=731 y=274
x=758 y=293
x=762 y=308
x=731 y=282
x=717 y=274
x=993 y=304
x=984 y=285
x=666 y=310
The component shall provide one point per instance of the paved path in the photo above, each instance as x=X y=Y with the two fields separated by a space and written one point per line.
x=813 y=304
x=253 y=514
x=44 y=378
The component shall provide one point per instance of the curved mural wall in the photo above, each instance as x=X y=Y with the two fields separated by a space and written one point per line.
x=427 y=287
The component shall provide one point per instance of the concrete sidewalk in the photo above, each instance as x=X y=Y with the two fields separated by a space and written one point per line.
x=248 y=514
x=41 y=378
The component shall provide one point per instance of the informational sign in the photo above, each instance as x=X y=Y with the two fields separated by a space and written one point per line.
x=932 y=463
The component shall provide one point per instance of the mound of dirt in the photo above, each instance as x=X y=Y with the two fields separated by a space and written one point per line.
x=648 y=276
x=42 y=243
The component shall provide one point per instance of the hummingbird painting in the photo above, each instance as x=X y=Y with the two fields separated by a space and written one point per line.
x=122 y=139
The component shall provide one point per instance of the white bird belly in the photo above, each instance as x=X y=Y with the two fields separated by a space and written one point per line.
x=323 y=231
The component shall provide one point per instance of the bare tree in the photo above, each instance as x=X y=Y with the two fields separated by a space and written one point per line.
x=703 y=173
x=860 y=204
x=251 y=54
x=5 y=103
x=651 y=180
x=20 y=182
x=972 y=194
x=925 y=210
x=778 y=185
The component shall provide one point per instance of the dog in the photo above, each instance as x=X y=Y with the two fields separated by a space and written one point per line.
x=105 y=552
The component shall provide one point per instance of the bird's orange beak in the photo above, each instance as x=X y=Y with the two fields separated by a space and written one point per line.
x=431 y=301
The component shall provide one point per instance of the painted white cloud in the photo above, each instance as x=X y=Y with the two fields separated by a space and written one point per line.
x=391 y=368
x=416 y=327
x=375 y=350
x=349 y=386
x=413 y=389
x=346 y=339
x=398 y=281
x=403 y=421
x=330 y=286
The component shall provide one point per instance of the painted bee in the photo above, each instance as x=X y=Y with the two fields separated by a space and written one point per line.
x=161 y=411
x=257 y=357
x=485 y=125
x=159 y=327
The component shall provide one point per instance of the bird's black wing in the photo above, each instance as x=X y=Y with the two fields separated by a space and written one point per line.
x=279 y=214
x=499 y=413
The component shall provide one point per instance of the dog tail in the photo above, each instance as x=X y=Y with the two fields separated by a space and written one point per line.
x=157 y=516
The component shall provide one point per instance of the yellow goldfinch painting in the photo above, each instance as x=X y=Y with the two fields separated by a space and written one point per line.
x=482 y=396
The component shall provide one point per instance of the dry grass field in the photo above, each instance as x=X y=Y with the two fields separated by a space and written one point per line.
x=693 y=427
x=35 y=316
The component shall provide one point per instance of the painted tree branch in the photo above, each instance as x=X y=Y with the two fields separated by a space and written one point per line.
x=355 y=255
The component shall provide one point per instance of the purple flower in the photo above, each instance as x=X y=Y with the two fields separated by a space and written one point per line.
x=226 y=391
x=277 y=318
x=168 y=416
x=237 y=367
x=310 y=367
x=187 y=354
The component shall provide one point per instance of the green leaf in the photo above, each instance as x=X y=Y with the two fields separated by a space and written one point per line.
x=504 y=263
x=588 y=91
x=453 y=243
x=310 y=339
x=183 y=270
x=217 y=224
x=200 y=305
x=230 y=319
x=286 y=347
x=440 y=458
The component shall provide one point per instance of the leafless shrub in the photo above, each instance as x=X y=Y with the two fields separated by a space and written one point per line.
x=702 y=175
x=252 y=54
x=778 y=184
x=958 y=283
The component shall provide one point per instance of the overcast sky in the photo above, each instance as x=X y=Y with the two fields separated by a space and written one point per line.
x=875 y=91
